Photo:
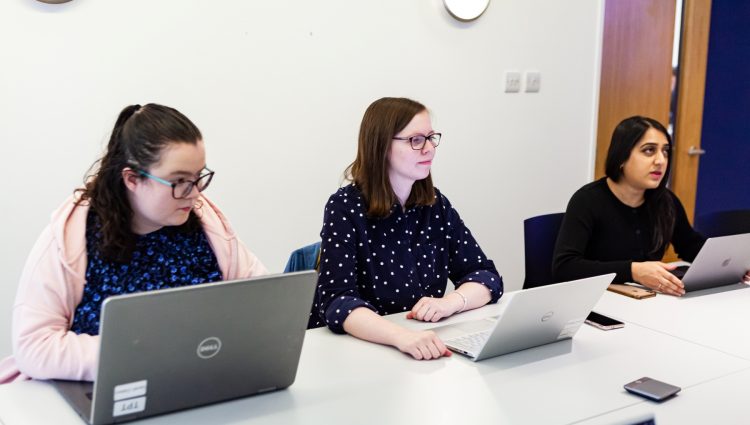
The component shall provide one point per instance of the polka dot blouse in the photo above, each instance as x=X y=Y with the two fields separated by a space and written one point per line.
x=388 y=264
x=166 y=258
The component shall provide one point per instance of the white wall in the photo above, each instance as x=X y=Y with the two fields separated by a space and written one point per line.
x=278 y=89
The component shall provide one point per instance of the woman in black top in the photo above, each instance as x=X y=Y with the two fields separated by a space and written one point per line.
x=624 y=222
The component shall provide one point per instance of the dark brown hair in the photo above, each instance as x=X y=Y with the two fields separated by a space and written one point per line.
x=383 y=119
x=659 y=202
x=138 y=138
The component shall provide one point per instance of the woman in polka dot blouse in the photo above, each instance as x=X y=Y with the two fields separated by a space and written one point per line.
x=390 y=240
x=140 y=223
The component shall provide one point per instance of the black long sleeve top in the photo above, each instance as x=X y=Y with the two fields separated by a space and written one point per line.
x=600 y=234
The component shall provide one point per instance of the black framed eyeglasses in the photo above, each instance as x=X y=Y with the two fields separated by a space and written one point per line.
x=181 y=189
x=418 y=141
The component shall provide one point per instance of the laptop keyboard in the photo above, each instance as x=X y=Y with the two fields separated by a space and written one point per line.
x=470 y=343
x=680 y=271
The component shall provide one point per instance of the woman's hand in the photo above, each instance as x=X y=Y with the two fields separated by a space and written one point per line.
x=746 y=278
x=656 y=275
x=365 y=324
x=429 y=309
x=422 y=345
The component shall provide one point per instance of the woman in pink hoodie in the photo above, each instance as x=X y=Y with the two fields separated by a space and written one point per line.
x=139 y=224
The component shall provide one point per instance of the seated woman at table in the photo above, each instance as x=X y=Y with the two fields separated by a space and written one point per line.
x=390 y=240
x=140 y=223
x=623 y=222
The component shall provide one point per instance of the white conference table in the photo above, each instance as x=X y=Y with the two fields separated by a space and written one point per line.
x=342 y=380
x=718 y=318
x=719 y=401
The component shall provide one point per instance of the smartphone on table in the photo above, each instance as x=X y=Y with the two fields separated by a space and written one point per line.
x=631 y=291
x=603 y=322
x=652 y=389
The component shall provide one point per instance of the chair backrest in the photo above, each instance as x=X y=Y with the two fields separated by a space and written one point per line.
x=305 y=258
x=539 y=237
x=723 y=223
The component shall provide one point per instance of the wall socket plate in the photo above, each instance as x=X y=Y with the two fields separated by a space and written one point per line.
x=512 y=81
x=533 y=81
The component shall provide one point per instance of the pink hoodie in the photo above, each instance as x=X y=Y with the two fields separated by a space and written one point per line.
x=51 y=288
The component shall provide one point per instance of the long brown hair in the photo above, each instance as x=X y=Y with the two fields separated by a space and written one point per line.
x=659 y=202
x=138 y=138
x=383 y=119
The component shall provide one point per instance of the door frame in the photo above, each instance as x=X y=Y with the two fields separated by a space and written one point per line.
x=696 y=23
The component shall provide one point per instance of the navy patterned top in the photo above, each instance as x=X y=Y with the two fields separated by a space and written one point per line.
x=166 y=258
x=388 y=264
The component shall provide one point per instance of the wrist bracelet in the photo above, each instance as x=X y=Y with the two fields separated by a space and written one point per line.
x=466 y=301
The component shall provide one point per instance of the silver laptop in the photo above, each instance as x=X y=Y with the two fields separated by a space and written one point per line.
x=721 y=261
x=531 y=317
x=175 y=349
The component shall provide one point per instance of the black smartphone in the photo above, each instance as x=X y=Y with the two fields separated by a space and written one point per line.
x=603 y=322
x=652 y=389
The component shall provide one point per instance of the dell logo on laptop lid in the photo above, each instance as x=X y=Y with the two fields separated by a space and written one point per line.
x=209 y=347
x=548 y=316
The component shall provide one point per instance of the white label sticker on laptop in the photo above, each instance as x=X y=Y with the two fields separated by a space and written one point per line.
x=570 y=328
x=126 y=407
x=130 y=390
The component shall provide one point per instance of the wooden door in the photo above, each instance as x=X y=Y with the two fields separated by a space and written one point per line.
x=636 y=80
x=690 y=91
x=636 y=68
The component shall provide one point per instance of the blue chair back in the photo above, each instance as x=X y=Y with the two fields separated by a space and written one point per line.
x=723 y=223
x=305 y=258
x=539 y=237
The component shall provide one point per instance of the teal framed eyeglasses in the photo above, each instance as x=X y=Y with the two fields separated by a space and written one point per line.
x=182 y=188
